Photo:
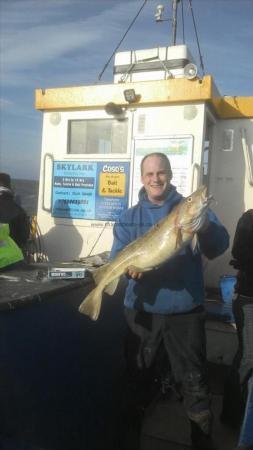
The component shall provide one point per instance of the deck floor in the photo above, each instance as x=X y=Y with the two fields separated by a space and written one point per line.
x=166 y=426
x=54 y=337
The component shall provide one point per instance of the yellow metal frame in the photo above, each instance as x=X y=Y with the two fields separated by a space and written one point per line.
x=234 y=107
x=149 y=93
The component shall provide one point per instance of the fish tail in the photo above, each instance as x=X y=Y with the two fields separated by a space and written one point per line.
x=91 y=305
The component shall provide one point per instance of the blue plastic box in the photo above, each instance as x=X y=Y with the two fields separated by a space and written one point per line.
x=227 y=283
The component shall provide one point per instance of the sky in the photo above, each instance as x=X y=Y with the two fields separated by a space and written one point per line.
x=55 y=43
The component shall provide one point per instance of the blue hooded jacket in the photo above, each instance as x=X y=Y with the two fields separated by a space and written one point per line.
x=177 y=286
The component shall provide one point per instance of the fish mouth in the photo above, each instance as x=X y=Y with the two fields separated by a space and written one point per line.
x=205 y=206
x=207 y=200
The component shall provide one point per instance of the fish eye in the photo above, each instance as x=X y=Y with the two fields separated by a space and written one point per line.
x=189 y=199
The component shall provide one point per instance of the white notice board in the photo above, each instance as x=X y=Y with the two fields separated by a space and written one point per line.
x=179 y=150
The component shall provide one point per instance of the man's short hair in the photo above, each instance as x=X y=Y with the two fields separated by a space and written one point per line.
x=160 y=155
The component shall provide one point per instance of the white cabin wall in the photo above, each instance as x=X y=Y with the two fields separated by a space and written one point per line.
x=228 y=183
x=174 y=120
x=171 y=120
x=68 y=239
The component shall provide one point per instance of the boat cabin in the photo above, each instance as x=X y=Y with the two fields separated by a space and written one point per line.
x=94 y=138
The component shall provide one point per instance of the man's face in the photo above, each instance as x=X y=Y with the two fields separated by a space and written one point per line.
x=156 y=179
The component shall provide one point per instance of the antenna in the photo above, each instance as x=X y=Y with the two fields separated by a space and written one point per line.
x=158 y=17
x=174 y=21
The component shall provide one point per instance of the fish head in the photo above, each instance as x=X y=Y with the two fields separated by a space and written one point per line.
x=192 y=211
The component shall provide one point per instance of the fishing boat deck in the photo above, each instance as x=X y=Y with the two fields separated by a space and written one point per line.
x=166 y=426
x=61 y=372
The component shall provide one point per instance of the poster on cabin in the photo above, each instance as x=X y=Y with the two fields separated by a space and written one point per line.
x=92 y=190
x=179 y=151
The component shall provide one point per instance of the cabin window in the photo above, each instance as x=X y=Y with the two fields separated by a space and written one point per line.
x=101 y=136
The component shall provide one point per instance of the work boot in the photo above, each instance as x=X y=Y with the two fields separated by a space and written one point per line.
x=202 y=419
x=200 y=440
x=201 y=424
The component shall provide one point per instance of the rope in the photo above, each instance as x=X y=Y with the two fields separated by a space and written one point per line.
x=96 y=241
x=33 y=249
x=182 y=13
x=196 y=34
x=120 y=42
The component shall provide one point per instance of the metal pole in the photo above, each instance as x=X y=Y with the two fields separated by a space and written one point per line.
x=174 y=21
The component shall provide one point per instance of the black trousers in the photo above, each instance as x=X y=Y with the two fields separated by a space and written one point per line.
x=155 y=345
x=235 y=389
x=177 y=343
x=243 y=313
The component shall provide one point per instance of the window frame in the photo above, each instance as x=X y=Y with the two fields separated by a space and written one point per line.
x=97 y=154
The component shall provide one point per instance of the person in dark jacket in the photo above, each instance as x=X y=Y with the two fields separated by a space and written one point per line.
x=236 y=386
x=164 y=307
x=14 y=226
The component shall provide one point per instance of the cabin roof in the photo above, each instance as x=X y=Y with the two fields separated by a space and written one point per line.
x=149 y=93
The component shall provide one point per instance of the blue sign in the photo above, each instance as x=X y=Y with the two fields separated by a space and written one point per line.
x=90 y=189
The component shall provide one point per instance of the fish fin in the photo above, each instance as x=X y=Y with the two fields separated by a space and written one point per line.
x=134 y=269
x=99 y=273
x=194 y=242
x=179 y=238
x=112 y=286
x=91 y=305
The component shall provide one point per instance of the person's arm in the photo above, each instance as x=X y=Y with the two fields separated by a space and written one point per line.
x=213 y=237
x=242 y=249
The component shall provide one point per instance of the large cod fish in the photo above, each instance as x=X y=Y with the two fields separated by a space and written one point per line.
x=157 y=245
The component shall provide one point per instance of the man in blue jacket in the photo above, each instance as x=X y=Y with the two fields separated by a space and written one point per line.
x=164 y=307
